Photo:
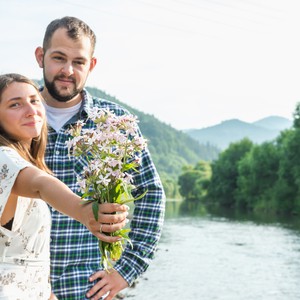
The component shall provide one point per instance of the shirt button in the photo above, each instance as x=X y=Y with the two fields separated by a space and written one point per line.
x=57 y=152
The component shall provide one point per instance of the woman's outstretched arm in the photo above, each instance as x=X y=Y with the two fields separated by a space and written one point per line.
x=34 y=183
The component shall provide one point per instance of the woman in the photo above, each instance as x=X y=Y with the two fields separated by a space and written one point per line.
x=25 y=180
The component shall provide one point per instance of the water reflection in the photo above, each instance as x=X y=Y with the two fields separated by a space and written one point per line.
x=184 y=208
x=179 y=208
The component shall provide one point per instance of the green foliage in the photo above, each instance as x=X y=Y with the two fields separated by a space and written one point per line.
x=260 y=178
x=223 y=185
x=193 y=182
x=287 y=187
x=170 y=186
x=296 y=115
x=257 y=174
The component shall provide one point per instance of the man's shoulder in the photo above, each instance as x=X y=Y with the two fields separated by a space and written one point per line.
x=104 y=103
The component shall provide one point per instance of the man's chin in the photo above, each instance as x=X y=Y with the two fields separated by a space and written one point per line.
x=65 y=97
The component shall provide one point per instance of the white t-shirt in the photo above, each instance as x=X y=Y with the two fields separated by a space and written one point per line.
x=57 y=117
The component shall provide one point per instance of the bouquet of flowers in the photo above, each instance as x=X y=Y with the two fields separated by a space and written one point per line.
x=110 y=150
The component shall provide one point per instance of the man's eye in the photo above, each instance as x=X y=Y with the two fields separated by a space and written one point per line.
x=58 y=58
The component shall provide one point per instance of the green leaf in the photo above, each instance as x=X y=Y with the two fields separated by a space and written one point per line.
x=95 y=208
x=129 y=166
x=115 y=193
x=123 y=201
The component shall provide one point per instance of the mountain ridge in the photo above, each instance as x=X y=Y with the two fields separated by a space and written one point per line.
x=228 y=131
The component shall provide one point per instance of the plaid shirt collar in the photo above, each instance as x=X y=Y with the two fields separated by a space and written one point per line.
x=86 y=105
x=86 y=108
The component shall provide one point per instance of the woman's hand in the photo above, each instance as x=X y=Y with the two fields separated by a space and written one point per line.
x=111 y=217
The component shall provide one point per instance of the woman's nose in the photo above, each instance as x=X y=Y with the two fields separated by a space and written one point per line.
x=31 y=110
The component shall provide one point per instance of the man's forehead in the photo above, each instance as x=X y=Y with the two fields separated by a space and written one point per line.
x=62 y=43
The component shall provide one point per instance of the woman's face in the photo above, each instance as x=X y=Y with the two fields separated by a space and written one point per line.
x=22 y=112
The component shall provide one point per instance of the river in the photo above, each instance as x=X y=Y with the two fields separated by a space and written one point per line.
x=204 y=256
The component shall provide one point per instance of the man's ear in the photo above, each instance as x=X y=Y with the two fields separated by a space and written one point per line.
x=39 y=56
x=93 y=63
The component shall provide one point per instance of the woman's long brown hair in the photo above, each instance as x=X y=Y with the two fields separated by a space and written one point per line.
x=36 y=153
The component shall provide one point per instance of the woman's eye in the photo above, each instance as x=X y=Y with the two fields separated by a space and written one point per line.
x=14 y=105
x=35 y=101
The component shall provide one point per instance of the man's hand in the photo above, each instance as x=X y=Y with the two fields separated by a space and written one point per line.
x=111 y=282
x=111 y=217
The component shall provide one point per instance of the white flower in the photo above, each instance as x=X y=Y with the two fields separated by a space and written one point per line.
x=111 y=150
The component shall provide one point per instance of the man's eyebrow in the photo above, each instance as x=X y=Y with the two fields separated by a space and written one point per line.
x=58 y=52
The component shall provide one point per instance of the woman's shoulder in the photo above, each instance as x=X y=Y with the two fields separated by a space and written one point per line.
x=11 y=156
x=8 y=152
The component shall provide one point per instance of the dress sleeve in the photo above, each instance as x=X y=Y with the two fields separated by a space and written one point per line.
x=11 y=163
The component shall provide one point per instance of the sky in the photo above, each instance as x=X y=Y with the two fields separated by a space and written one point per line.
x=190 y=63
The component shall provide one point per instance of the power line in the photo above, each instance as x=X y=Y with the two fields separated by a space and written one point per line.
x=173 y=28
x=192 y=15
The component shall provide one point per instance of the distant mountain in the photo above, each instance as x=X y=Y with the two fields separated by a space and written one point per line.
x=221 y=135
x=274 y=123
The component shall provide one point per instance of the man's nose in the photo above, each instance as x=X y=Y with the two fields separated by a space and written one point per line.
x=67 y=69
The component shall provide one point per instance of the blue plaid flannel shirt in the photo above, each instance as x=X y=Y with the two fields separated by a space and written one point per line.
x=74 y=250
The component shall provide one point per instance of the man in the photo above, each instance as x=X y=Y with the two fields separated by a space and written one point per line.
x=67 y=60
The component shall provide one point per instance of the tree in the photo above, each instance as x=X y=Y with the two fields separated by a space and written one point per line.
x=194 y=181
x=257 y=176
x=296 y=116
x=223 y=184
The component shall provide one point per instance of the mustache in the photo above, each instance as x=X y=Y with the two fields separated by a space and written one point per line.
x=70 y=78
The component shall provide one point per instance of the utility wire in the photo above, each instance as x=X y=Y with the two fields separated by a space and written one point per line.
x=173 y=28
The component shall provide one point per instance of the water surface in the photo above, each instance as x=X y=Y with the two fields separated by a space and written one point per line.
x=203 y=256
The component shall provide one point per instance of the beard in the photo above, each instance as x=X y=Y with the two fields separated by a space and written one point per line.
x=55 y=93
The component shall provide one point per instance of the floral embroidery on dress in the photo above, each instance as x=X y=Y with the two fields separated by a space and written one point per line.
x=42 y=229
x=4 y=171
x=3 y=174
x=7 y=279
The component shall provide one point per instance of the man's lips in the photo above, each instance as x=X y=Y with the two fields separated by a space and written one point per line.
x=65 y=80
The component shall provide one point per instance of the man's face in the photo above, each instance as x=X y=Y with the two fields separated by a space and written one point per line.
x=66 y=66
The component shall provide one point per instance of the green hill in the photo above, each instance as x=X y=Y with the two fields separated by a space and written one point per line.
x=171 y=149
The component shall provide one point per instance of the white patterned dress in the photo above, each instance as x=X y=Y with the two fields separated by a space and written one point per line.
x=24 y=250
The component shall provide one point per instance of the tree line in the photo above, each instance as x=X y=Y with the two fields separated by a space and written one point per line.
x=251 y=177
